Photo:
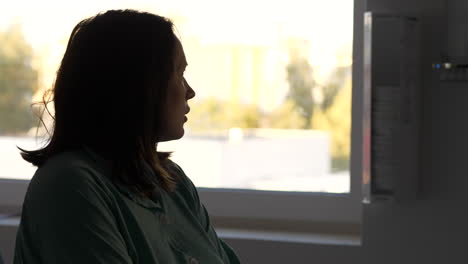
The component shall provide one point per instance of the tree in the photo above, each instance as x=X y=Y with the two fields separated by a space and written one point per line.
x=285 y=117
x=18 y=82
x=333 y=86
x=301 y=83
x=336 y=119
x=214 y=114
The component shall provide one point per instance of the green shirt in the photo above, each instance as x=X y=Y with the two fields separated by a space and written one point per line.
x=73 y=213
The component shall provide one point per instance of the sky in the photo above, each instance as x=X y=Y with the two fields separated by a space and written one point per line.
x=330 y=19
x=327 y=24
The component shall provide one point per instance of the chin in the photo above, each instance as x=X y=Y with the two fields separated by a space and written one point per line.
x=173 y=136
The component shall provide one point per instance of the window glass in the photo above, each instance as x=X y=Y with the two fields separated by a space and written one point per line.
x=273 y=84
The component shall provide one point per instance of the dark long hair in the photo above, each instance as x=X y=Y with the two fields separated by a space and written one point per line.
x=110 y=92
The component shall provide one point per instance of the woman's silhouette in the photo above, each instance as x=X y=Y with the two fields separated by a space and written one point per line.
x=102 y=193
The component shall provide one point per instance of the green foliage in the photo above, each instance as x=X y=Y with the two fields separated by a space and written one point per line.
x=285 y=117
x=336 y=119
x=301 y=83
x=338 y=78
x=214 y=114
x=298 y=111
x=18 y=82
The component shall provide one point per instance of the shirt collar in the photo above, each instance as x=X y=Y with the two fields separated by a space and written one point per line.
x=152 y=204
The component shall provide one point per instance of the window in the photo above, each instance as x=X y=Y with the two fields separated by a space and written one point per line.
x=272 y=112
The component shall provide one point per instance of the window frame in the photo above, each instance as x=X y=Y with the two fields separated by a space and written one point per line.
x=314 y=209
x=253 y=205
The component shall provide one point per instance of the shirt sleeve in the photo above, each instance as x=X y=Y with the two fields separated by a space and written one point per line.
x=202 y=214
x=68 y=218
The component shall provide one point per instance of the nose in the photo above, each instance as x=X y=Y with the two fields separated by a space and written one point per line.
x=190 y=92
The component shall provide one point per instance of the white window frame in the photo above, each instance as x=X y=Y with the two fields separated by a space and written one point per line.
x=312 y=209
x=280 y=207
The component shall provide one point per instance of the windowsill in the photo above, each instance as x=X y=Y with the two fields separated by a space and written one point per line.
x=9 y=221
x=289 y=237
x=259 y=235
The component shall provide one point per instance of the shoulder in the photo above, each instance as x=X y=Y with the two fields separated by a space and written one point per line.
x=67 y=176
x=69 y=205
x=66 y=168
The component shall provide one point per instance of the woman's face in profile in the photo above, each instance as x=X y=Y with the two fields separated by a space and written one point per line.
x=179 y=92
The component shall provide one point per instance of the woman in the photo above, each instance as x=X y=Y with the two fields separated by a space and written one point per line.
x=102 y=193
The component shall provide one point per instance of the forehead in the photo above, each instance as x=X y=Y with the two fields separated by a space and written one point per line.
x=179 y=53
